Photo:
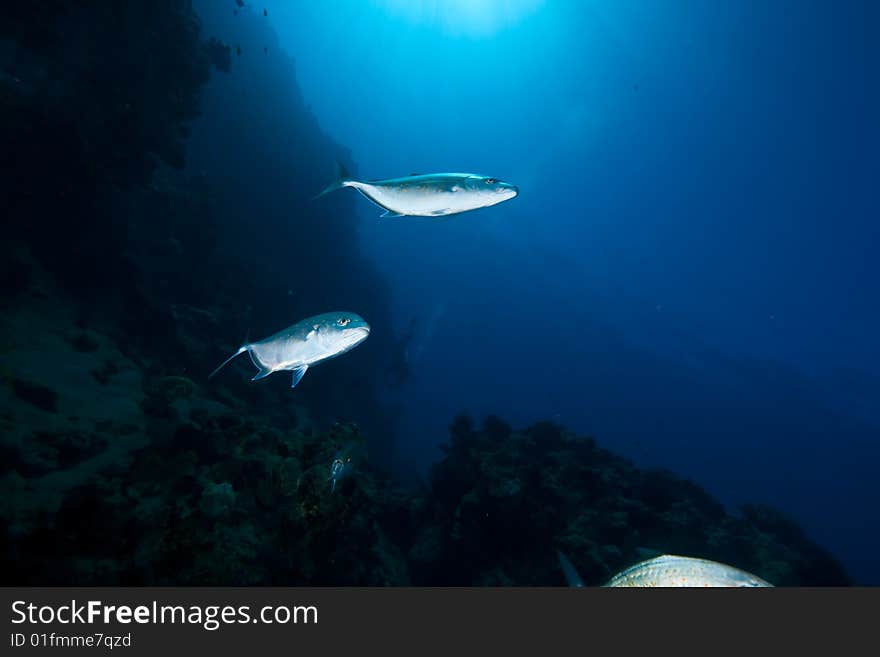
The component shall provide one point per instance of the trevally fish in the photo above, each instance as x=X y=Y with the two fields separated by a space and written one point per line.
x=429 y=194
x=304 y=344
x=670 y=570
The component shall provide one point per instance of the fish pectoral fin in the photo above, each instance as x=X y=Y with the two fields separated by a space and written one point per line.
x=440 y=213
x=390 y=213
x=298 y=373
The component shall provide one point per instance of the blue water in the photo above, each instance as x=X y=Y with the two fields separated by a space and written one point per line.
x=689 y=272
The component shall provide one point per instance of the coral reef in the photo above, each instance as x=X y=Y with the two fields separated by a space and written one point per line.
x=215 y=497
x=502 y=500
x=222 y=497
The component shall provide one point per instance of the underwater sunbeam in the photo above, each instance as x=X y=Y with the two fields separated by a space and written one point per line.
x=474 y=18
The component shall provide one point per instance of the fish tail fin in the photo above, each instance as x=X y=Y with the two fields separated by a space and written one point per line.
x=568 y=569
x=339 y=181
x=240 y=351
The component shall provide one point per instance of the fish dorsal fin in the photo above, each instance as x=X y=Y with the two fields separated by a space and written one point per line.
x=571 y=575
x=648 y=552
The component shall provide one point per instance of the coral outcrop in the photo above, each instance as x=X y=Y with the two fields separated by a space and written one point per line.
x=503 y=501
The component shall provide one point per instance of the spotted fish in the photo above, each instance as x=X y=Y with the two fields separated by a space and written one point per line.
x=669 y=570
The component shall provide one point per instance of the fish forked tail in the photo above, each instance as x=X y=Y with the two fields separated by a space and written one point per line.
x=243 y=348
x=240 y=351
x=342 y=177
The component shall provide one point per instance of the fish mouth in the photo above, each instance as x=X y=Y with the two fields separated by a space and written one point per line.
x=508 y=190
x=350 y=338
x=360 y=333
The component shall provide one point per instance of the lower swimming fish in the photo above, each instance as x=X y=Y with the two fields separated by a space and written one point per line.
x=669 y=570
x=428 y=195
x=304 y=344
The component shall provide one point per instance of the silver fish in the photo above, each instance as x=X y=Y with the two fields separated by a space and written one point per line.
x=339 y=469
x=670 y=570
x=428 y=195
x=304 y=344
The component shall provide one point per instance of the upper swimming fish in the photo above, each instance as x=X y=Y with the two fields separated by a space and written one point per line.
x=428 y=195
x=304 y=344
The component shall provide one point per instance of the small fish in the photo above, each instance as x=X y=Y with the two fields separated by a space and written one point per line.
x=304 y=344
x=339 y=469
x=669 y=570
x=428 y=195
x=265 y=12
x=240 y=3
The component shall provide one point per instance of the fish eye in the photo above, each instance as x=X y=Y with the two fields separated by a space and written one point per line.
x=344 y=321
x=491 y=181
